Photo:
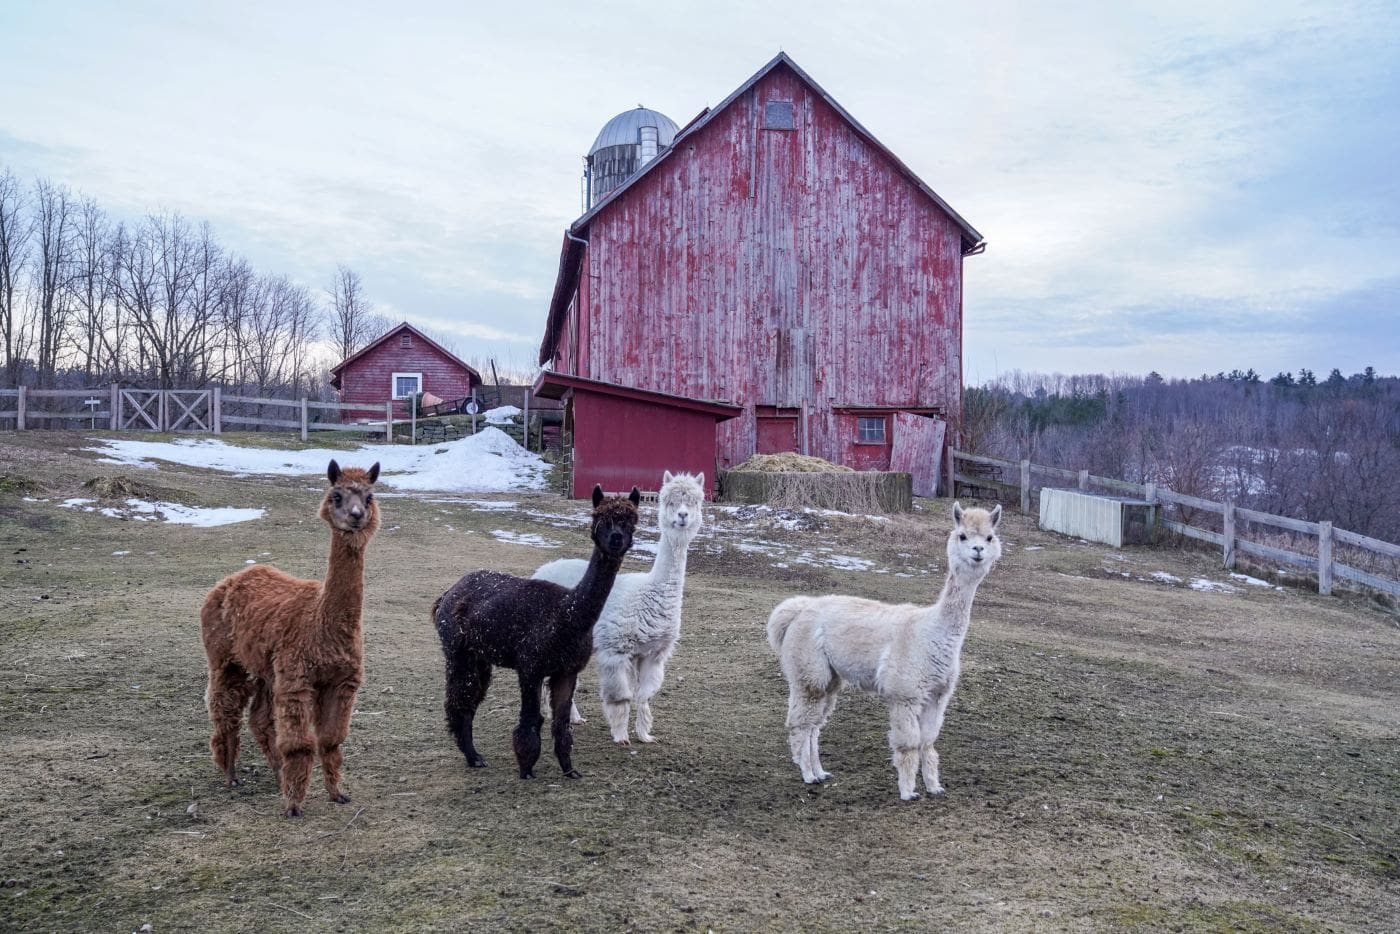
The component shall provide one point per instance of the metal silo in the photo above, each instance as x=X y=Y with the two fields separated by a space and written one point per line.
x=626 y=143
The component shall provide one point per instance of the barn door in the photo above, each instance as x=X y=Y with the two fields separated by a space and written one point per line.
x=775 y=434
x=917 y=449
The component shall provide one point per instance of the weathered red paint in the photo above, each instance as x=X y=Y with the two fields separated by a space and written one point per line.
x=367 y=375
x=773 y=268
x=625 y=437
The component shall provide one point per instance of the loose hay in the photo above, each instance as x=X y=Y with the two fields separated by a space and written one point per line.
x=791 y=462
x=119 y=488
x=859 y=492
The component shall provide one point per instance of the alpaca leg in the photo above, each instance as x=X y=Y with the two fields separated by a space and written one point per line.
x=545 y=694
x=334 y=706
x=651 y=671
x=561 y=697
x=930 y=723
x=615 y=678
x=227 y=695
x=264 y=729
x=806 y=712
x=467 y=681
x=526 y=738
x=904 y=745
x=292 y=701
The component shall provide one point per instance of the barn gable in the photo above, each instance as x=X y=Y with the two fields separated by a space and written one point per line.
x=370 y=374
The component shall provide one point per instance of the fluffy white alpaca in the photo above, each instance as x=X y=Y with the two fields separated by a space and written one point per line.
x=907 y=654
x=641 y=621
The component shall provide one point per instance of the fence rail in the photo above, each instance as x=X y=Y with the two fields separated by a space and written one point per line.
x=1324 y=563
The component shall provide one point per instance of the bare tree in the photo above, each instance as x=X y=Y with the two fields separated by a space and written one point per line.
x=15 y=231
x=53 y=269
x=352 y=319
x=91 y=284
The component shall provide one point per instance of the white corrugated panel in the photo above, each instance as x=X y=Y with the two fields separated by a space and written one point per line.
x=1093 y=518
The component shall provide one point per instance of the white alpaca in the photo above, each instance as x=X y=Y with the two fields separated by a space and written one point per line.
x=641 y=621
x=906 y=654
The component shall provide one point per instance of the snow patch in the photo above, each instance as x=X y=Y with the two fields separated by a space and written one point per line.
x=1165 y=578
x=175 y=513
x=1208 y=586
x=525 y=538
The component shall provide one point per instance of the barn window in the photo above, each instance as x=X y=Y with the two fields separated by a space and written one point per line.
x=870 y=430
x=406 y=384
x=778 y=115
x=406 y=340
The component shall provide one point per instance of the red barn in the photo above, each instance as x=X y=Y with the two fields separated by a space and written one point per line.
x=778 y=257
x=401 y=363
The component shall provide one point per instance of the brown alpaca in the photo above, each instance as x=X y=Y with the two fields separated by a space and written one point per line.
x=295 y=648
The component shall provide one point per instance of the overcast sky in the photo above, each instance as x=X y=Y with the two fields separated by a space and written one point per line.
x=1183 y=186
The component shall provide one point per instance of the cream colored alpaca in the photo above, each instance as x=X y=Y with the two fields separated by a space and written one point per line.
x=907 y=654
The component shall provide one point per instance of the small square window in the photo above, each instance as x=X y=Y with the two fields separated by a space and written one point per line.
x=406 y=340
x=778 y=115
x=407 y=384
x=870 y=430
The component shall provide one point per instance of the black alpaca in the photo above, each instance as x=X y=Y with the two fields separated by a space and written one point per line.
x=538 y=628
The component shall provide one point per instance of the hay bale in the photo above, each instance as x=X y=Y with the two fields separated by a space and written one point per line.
x=791 y=462
x=861 y=492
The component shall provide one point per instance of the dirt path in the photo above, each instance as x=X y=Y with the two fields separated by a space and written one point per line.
x=1124 y=752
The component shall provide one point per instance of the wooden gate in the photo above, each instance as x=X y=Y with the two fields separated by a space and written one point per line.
x=918 y=450
x=189 y=410
x=146 y=407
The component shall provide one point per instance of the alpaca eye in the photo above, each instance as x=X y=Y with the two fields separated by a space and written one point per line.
x=336 y=499
x=989 y=538
x=369 y=498
x=962 y=537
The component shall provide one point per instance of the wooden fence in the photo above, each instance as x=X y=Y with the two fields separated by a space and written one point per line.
x=993 y=473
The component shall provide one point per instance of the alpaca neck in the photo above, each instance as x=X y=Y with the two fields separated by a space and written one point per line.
x=342 y=594
x=669 y=566
x=586 y=600
x=951 y=615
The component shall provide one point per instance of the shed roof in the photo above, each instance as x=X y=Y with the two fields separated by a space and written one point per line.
x=551 y=385
x=473 y=375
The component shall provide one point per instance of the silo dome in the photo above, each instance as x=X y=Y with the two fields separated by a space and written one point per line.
x=625 y=144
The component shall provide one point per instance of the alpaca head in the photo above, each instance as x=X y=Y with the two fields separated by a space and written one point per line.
x=614 y=521
x=349 y=506
x=973 y=545
x=678 y=504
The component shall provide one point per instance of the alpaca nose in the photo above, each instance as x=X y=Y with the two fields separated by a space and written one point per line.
x=356 y=512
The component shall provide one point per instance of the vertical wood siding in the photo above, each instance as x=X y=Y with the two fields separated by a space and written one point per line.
x=772 y=267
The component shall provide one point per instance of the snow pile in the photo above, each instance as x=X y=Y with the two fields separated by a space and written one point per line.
x=174 y=513
x=502 y=415
x=1209 y=586
x=487 y=462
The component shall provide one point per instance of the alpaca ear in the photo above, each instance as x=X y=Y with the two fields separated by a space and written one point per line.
x=701 y=480
x=957 y=512
x=333 y=471
x=996 y=514
x=666 y=477
x=597 y=494
x=374 y=472
x=635 y=496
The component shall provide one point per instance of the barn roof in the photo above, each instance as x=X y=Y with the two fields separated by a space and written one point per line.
x=473 y=375
x=572 y=253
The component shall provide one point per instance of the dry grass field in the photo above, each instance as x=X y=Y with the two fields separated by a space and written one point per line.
x=1123 y=753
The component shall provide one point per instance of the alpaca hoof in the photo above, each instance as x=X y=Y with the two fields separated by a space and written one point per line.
x=292 y=811
x=524 y=774
x=815 y=779
x=937 y=790
x=622 y=742
x=476 y=762
x=912 y=796
x=825 y=776
x=340 y=798
x=646 y=739
x=233 y=783
x=573 y=773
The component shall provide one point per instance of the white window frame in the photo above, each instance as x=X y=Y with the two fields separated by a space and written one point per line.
x=394 y=385
x=884 y=421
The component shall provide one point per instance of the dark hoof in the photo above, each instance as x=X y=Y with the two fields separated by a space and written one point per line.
x=341 y=798
x=525 y=774
x=293 y=811
x=476 y=762
x=573 y=773
x=233 y=783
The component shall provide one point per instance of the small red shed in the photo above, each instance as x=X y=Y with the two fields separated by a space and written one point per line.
x=655 y=431
x=401 y=363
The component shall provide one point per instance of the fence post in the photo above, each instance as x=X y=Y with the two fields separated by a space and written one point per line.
x=525 y=435
x=952 y=472
x=413 y=419
x=19 y=409
x=389 y=422
x=1025 y=486
x=303 y=418
x=1149 y=494
x=116 y=406
x=163 y=417
x=1084 y=479
x=1324 y=558
x=1228 y=513
x=218 y=415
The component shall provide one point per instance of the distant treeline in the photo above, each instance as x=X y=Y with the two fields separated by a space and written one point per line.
x=1293 y=445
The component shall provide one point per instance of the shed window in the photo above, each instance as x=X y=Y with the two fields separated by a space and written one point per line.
x=870 y=430
x=407 y=384
x=778 y=115
x=405 y=340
